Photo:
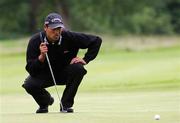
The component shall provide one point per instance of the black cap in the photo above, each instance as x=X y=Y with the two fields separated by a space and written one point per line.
x=54 y=20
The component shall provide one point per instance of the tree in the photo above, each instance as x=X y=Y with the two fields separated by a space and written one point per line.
x=63 y=8
x=33 y=10
x=174 y=10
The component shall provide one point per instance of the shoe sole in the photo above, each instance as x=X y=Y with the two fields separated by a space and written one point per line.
x=66 y=112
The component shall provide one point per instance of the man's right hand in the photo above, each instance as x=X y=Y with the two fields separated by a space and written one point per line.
x=43 y=50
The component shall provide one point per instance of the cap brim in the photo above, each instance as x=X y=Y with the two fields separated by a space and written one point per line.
x=53 y=26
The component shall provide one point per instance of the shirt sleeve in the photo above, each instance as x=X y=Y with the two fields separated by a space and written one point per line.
x=33 y=65
x=90 y=42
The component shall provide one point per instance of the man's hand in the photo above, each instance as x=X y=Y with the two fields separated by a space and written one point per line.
x=43 y=50
x=78 y=60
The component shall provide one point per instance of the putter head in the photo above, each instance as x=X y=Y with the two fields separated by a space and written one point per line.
x=65 y=109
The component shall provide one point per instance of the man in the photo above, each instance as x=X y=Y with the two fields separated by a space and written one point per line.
x=62 y=47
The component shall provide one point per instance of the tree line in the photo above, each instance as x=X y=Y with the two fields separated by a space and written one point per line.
x=102 y=16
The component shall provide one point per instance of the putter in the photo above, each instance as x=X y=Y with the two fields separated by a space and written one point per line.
x=52 y=74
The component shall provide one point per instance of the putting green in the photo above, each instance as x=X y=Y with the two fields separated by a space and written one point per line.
x=106 y=107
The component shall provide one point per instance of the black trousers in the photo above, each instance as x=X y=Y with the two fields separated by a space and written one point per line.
x=72 y=78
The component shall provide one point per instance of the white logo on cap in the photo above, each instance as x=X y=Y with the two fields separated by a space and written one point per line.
x=56 y=19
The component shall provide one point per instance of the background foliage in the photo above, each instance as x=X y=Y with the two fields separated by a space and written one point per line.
x=107 y=16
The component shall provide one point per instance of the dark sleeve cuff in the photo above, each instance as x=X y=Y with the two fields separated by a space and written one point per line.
x=86 y=60
x=39 y=63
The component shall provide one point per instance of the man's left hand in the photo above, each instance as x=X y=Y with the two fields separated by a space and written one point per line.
x=78 y=60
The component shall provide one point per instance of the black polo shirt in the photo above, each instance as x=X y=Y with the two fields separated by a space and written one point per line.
x=60 y=53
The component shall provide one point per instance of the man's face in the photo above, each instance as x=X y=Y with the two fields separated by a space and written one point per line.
x=52 y=34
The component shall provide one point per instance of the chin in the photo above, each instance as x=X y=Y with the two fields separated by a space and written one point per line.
x=57 y=39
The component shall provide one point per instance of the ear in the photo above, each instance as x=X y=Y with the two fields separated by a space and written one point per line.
x=63 y=29
x=45 y=27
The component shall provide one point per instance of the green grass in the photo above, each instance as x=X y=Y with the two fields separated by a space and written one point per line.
x=116 y=70
x=130 y=81
x=126 y=107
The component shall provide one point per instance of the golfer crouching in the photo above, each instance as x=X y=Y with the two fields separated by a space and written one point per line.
x=52 y=60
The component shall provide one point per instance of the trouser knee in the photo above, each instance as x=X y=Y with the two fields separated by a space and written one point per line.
x=31 y=85
x=29 y=89
x=77 y=69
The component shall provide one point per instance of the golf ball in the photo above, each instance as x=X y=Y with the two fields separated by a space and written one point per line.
x=157 y=117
